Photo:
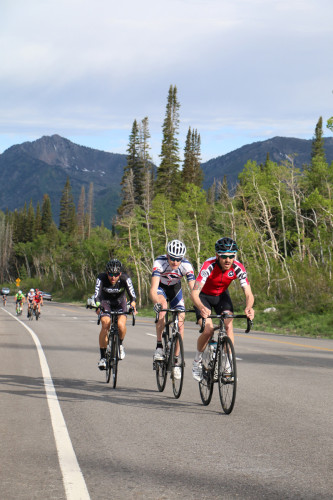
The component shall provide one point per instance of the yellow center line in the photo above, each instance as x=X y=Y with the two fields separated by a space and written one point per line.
x=285 y=342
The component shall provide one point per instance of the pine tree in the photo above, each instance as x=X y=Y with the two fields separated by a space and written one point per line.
x=67 y=221
x=38 y=220
x=145 y=182
x=80 y=213
x=192 y=171
x=30 y=223
x=131 y=169
x=168 y=176
x=46 y=214
x=318 y=142
x=89 y=217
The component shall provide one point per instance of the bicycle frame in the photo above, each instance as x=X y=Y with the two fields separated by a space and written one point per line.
x=219 y=364
x=112 y=350
x=172 y=363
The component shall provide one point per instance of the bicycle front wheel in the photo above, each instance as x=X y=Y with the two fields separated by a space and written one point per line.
x=108 y=361
x=227 y=375
x=177 y=365
x=161 y=374
x=114 y=358
x=206 y=384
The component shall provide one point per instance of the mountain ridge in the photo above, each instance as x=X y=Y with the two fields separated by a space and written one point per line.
x=31 y=169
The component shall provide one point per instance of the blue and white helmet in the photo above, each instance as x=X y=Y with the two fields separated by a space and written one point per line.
x=176 y=249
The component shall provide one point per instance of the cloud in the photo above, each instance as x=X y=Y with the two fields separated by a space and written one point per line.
x=74 y=66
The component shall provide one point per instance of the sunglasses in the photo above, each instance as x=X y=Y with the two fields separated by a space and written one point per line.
x=113 y=274
x=227 y=256
x=175 y=259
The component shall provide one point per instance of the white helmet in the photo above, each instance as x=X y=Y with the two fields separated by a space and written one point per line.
x=176 y=248
x=20 y=291
x=32 y=290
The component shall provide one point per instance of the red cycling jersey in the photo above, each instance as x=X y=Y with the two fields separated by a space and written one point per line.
x=216 y=281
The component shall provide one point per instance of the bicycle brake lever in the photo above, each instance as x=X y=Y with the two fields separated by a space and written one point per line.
x=249 y=325
x=202 y=325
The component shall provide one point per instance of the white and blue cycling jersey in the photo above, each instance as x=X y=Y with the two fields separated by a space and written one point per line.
x=169 y=276
x=170 y=280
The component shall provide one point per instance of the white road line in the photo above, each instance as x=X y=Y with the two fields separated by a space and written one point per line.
x=74 y=483
x=151 y=334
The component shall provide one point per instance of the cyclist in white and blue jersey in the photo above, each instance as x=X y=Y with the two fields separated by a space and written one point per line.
x=168 y=270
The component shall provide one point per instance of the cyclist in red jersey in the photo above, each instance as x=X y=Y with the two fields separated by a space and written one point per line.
x=38 y=299
x=211 y=291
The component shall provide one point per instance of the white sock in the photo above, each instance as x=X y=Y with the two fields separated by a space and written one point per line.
x=198 y=356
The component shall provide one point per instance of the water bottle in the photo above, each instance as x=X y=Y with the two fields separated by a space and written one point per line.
x=212 y=348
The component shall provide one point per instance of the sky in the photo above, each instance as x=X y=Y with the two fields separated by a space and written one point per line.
x=245 y=70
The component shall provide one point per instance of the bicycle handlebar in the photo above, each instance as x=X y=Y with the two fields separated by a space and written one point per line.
x=173 y=311
x=115 y=313
x=225 y=316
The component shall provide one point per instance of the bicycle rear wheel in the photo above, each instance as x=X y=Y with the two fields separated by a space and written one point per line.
x=114 y=358
x=37 y=314
x=227 y=375
x=206 y=384
x=177 y=365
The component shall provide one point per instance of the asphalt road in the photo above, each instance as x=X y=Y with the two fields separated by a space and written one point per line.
x=87 y=440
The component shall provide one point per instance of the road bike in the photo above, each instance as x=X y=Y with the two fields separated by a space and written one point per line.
x=19 y=308
x=31 y=312
x=112 y=350
x=172 y=363
x=36 y=312
x=219 y=364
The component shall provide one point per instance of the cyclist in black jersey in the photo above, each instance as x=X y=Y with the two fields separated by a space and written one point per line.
x=110 y=292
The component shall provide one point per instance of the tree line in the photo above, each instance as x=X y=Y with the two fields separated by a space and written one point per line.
x=280 y=216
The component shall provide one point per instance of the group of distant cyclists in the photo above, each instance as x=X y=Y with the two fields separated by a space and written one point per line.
x=209 y=290
x=34 y=300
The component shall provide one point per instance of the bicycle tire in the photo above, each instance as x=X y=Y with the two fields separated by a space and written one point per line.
x=114 y=358
x=177 y=384
x=206 y=384
x=108 y=361
x=37 y=314
x=161 y=368
x=227 y=379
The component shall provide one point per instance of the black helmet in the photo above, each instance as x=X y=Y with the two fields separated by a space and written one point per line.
x=225 y=245
x=113 y=266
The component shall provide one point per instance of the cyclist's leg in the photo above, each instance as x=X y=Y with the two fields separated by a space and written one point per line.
x=177 y=302
x=122 y=326
x=161 y=321
x=103 y=334
x=225 y=305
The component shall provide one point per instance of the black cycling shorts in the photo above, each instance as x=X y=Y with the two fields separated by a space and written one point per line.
x=219 y=303
x=118 y=305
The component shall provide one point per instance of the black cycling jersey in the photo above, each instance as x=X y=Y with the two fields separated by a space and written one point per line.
x=104 y=290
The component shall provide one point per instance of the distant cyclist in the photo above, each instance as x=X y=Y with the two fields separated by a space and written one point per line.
x=110 y=292
x=38 y=300
x=31 y=300
x=168 y=270
x=211 y=291
x=4 y=299
x=19 y=299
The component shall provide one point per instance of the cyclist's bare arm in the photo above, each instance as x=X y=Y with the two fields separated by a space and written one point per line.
x=249 y=301
x=204 y=311
x=155 y=281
